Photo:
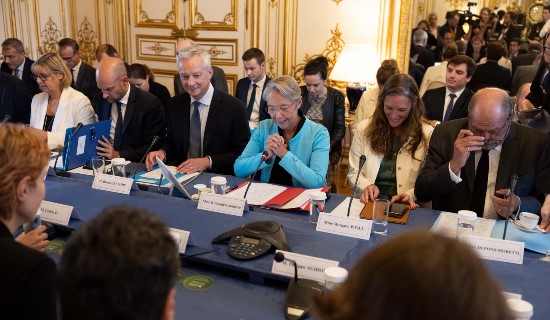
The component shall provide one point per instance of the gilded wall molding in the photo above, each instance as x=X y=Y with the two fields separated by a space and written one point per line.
x=200 y=21
x=222 y=51
x=50 y=36
x=404 y=34
x=155 y=48
x=167 y=19
x=87 y=40
x=231 y=82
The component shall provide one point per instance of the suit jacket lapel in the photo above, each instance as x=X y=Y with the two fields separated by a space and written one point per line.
x=79 y=75
x=215 y=104
x=459 y=104
x=507 y=161
x=130 y=107
x=184 y=130
x=439 y=101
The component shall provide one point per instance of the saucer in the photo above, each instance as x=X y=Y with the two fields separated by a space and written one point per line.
x=518 y=225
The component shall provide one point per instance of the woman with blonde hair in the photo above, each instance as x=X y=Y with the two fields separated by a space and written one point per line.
x=394 y=142
x=27 y=275
x=58 y=106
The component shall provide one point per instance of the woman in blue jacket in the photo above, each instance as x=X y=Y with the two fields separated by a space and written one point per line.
x=297 y=148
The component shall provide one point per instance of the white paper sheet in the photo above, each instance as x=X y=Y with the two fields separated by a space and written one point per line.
x=342 y=208
x=259 y=193
x=446 y=225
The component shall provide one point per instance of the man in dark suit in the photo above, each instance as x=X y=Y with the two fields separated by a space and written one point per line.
x=15 y=99
x=526 y=59
x=439 y=51
x=136 y=116
x=540 y=86
x=451 y=102
x=538 y=119
x=524 y=74
x=253 y=86
x=218 y=79
x=470 y=160
x=83 y=73
x=206 y=129
x=425 y=56
x=491 y=74
x=16 y=64
x=452 y=26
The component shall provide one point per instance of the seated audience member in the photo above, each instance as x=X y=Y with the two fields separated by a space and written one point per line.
x=461 y=46
x=476 y=49
x=540 y=87
x=416 y=70
x=472 y=159
x=15 y=99
x=83 y=74
x=218 y=79
x=122 y=264
x=141 y=76
x=107 y=50
x=538 y=121
x=451 y=102
x=539 y=30
x=435 y=76
x=17 y=64
x=432 y=39
x=528 y=58
x=59 y=106
x=503 y=61
x=324 y=105
x=490 y=73
x=136 y=116
x=297 y=148
x=207 y=128
x=513 y=48
x=369 y=98
x=28 y=277
x=425 y=56
x=394 y=141
x=525 y=74
x=440 y=50
x=250 y=88
x=427 y=275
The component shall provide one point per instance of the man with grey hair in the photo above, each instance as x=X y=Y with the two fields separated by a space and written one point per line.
x=471 y=161
x=17 y=64
x=207 y=129
x=218 y=79
x=425 y=56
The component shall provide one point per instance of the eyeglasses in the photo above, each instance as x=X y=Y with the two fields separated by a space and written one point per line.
x=491 y=143
x=282 y=108
x=68 y=59
x=41 y=76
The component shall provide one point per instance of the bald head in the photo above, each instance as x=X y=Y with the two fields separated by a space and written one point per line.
x=183 y=43
x=489 y=115
x=112 y=79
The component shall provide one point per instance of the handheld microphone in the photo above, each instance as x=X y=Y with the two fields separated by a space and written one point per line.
x=262 y=159
x=300 y=292
x=362 y=160
x=59 y=172
x=153 y=142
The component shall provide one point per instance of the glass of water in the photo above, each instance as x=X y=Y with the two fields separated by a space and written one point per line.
x=380 y=213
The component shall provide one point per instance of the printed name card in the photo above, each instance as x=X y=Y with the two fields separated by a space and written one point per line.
x=223 y=204
x=496 y=249
x=308 y=267
x=181 y=237
x=57 y=213
x=107 y=182
x=344 y=226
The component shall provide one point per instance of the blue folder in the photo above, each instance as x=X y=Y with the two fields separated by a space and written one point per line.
x=82 y=146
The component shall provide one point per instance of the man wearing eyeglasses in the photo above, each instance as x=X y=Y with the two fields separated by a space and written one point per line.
x=83 y=73
x=16 y=64
x=471 y=161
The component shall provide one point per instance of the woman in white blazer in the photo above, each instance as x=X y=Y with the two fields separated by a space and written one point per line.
x=59 y=106
x=395 y=143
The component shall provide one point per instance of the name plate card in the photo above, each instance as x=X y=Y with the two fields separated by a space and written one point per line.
x=181 y=237
x=496 y=249
x=57 y=213
x=223 y=204
x=344 y=226
x=107 y=182
x=308 y=267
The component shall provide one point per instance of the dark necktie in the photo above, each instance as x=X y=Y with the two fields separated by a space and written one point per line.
x=251 y=101
x=546 y=82
x=73 y=83
x=118 y=128
x=195 y=133
x=480 y=184
x=449 y=107
x=16 y=73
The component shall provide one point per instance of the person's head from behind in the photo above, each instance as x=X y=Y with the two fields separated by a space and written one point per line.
x=105 y=50
x=183 y=43
x=489 y=114
x=254 y=64
x=461 y=46
x=51 y=73
x=460 y=70
x=24 y=160
x=388 y=68
x=428 y=276
x=420 y=37
x=284 y=98
x=112 y=79
x=315 y=77
x=13 y=52
x=451 y=51
x=140 y=76
x=123 y=264
x=423 y=24
x=195 y=70
x=495 y=51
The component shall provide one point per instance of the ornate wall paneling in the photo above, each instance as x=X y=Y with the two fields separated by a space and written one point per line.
x=156 y=48
x=160 y=14
x=205 y=15
x=224 y=52
x=18 y=21
x=85 y=27
x=113 y=19
x=52 y=23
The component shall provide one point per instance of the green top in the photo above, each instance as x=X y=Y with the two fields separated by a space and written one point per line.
x=386 y=180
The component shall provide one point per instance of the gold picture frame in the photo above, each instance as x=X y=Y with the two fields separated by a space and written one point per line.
x=167 y=19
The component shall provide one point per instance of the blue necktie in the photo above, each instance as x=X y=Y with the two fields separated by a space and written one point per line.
x=118 y=128
x=195 y=133
x=449 y=107
x=251 y=101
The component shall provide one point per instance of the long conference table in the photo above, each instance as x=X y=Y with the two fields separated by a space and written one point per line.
x=220 y=287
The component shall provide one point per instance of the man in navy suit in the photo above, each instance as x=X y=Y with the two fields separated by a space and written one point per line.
x=451 y=102
x=15 y=99
x=253 y=86
x=83 y=73
x=490 y=73
x=206 y=128
x=136 y=116
x=16 y=64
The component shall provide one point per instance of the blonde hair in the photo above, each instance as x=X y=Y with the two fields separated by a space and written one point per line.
x=22 y=155
x=53 y=63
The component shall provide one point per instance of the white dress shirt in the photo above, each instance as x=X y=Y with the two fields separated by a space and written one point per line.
x=255 y=115
x=114 y=113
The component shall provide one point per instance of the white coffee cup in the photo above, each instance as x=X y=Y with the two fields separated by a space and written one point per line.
x=528 y=220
